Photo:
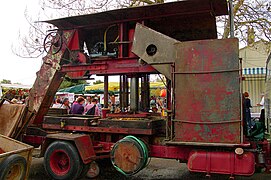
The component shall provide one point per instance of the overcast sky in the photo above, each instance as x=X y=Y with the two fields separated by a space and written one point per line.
x=12 y=17
x=12 y=67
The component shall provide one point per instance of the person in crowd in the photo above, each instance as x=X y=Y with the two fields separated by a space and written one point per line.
x=247 y=113
x=66 y=105
x=88 y=100
x=19 y=101
x=98 y=104
x=159 y=103
x=92 y=109
x=112 y=101
x=117 y=109
x=57 y=103
x=75 y=102
x=165 y=103
x=77 y=108
x=9 y=96
x=153 y=104
x=14 y=101
x=261 y=104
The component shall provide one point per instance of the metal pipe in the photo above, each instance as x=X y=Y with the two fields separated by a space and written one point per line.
x=126 y=91
x=121 y=93
x=231 y=19
x=134 y=94
x=172 y=102
x=168 y=107
x=106 y=91
x=241 y=105
x=145 y=93
x=142 y=94
x=121 y=27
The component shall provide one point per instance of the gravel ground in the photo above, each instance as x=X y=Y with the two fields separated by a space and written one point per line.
x=157 y=169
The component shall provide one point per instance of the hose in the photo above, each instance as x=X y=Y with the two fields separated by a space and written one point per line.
x=105 y=33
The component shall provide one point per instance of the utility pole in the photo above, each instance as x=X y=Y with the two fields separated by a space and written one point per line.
x=231 y=19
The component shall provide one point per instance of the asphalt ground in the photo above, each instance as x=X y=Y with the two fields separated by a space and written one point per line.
x=157 y=169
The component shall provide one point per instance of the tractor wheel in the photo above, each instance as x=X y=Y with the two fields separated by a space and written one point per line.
x=62 y=161
x=13 y=167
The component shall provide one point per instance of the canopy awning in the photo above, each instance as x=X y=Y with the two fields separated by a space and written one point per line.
x=78 y=89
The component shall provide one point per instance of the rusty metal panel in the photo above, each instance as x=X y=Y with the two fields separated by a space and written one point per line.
x=47 y=82
x=206 y=78
x=207 y=92
x=164 y=51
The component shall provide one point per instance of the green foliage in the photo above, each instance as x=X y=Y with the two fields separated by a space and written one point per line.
x=98 y=82
x=5 y=81
x=68 y=83
x=138 y=2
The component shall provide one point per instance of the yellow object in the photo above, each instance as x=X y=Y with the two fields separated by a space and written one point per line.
x=114 y=86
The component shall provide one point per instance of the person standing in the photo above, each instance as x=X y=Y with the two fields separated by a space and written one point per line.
x=159 y=103
x=247 y=106
x=92 y=109
x=66 y=105
x=261 y=104
x=88 y=100
x=57 y=103
x=77 y=108
x=153 y=104
x=98 y=104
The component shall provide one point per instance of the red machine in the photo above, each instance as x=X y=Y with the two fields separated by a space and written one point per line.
x=204 y=126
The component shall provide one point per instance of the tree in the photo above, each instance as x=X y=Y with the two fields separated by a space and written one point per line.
x=252 y=20
x=98 y=82
x=31 y=44
x=69 y=83
x=5 y=81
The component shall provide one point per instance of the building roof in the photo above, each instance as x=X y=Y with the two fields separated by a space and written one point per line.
x=16 y=86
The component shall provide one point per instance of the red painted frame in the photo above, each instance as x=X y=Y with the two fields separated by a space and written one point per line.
x=100 y=129
x=111 y=66
x=123 y=65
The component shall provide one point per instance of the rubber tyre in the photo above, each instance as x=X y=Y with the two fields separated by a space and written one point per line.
x=13 y=167
x=62 y=161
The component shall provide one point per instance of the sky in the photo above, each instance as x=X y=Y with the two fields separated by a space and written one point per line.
x=12 y=67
